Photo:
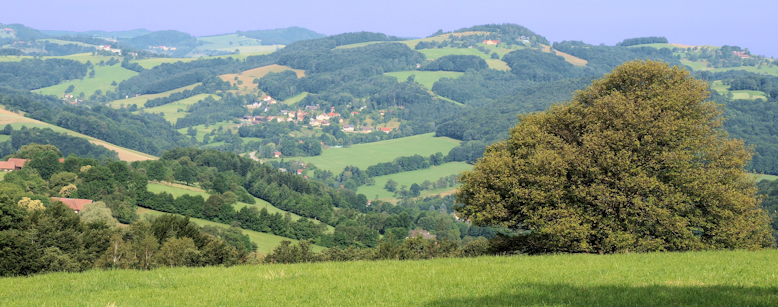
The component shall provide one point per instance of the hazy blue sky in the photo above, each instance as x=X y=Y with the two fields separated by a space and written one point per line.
x=749 y=24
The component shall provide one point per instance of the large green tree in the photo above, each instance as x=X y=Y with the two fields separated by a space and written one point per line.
x=635 y=162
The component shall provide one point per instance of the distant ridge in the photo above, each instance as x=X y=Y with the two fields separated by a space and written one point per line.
x=283 y=36
x=118 y=34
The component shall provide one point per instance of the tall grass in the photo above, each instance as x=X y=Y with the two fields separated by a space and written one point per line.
x=725 y=278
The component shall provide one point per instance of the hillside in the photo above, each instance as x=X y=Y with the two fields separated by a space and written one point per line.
x=726 y=278
x=18 y=120
x=283 y=36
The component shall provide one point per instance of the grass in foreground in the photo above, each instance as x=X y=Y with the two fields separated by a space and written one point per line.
x=724 y=278
x=364 y=155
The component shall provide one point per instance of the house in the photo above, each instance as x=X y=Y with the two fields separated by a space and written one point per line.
x=491 y=42
x=314 y=123
x=382 y=112
x=348 y=128
x=366 y=130
x=386 y=130
x=333 y=114
x=287 y=112
x=301 y=115
x=322 y=117
x=741 y=54
x=420 y=233
x=7 y=166
x=283 y=170
x=354 y=113
x=299 y=171
x=18 y=162
x=267 y=98
x=325 y=123
x=69 y=96
x=74 y=203
x=277 y=154
x=311 y=107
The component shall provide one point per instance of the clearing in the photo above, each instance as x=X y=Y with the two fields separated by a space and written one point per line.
x=426 y=78
x=439 y=52
x=266 y=242
x=171 y=111
x=712 y=278
x=432 y=174
x=104 y=76
x=364 y=155
x=719 y=87
x=18 y=120
x=141 y=100
x=296 y=98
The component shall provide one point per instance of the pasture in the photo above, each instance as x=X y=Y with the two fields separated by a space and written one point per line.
x=364 y=155
x=439 y=52
x=202 y=130
x=171 y=110
x=104 y=76
x=760 y=177
x=296 y=98
x=141 y=100
x=719 y=87
x=426 y=78
x=709 y=278
x=418 y=176
x=18 y=120
x=266 y=242
x=257 y=73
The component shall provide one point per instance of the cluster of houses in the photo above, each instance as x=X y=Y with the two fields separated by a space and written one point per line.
x=350 y=128
x=741 y=54
x=108 y=48
x=165 y=48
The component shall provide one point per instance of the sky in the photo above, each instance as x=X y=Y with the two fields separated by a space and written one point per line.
x=749 y=24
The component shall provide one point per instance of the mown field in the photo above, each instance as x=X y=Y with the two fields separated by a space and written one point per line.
x=364 y=155
x=171 y=110
x=722 y=278
x=266 y=242
x=18 y=120
x=257 y=73
x=426 y=78
x=418 y=176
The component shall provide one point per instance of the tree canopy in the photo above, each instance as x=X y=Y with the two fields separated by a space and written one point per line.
x=635 y=162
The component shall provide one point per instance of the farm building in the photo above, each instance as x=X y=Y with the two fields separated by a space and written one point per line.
x=386 y=130
x=74 y=203
x=491 y=42
x=366 y=129
x=277 y=154
x=7 y=166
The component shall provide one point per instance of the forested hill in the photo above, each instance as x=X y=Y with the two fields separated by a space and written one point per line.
x=283 y=36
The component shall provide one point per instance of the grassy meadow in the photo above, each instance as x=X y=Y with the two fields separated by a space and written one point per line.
x=104 y=76
x=141 y=100
x=494 y=64
x=171 y=110
x=364 y=155
x=741 y=94
x=418 y=176
x=296 y=98
x=18 y=120
x=720 y=278
x=266 y=242
x=426 y=78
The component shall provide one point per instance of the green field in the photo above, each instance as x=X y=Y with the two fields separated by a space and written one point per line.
x=296 y=98
x=426 y=78
x=141 y=100
x=228 y=41
x=494 y=64
x=741 y=94
x=364 y=155
x=202 y=130
x=723 y=278
x=178 y=190
x=171 y=110
x=266 y=242
x=760 y=177
x=154 y=62
x=104 y=76
x=408 y=178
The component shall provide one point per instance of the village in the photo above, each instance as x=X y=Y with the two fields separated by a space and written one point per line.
x=314 y=116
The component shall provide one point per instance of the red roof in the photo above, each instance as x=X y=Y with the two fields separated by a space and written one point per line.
x=74 y=203
x=386 y=129
x=19 y=162
x=61 y=160
x=331 y=114
x=7 y=165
